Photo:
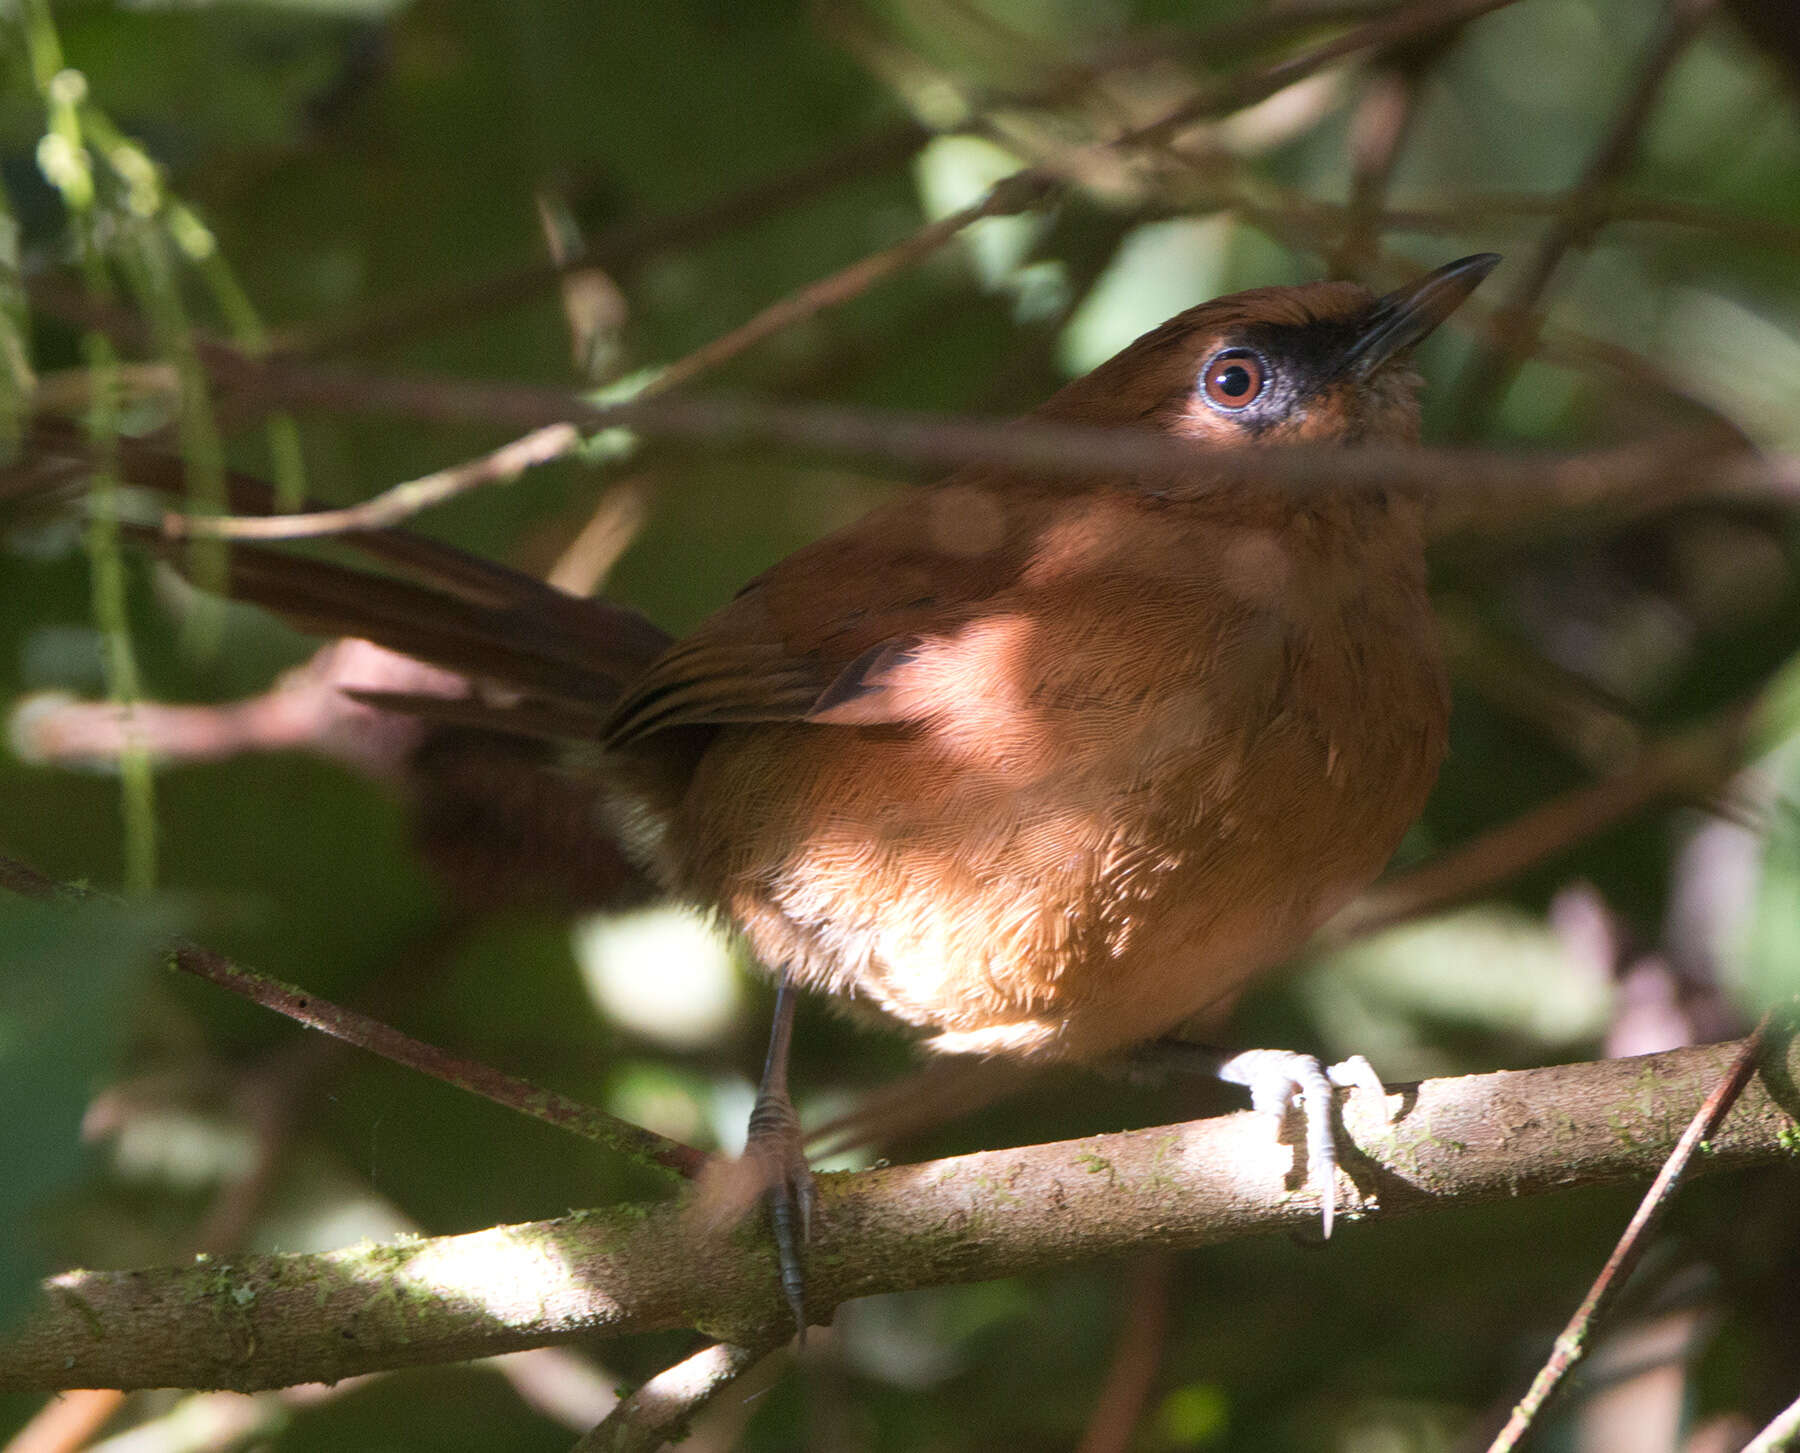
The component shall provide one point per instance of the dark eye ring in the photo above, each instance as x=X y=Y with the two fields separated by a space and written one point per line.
x=1232 y=380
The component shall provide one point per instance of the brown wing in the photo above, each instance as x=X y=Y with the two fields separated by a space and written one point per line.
x=824 y=635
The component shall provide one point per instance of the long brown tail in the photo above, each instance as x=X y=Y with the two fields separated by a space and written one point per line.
x=494 y=808
x=480 y=619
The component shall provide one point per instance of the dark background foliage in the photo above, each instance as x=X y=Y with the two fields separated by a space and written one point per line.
x=354 y=157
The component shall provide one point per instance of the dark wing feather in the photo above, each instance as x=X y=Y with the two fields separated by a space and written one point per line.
x=556 y=653
x=822 y=636
x=447 y=606
x=548 y=721
x=861 y=694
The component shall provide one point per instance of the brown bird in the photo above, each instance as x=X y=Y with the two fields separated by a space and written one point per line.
x=1046 y=767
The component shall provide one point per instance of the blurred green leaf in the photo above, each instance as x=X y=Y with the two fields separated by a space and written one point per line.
x=16 y=379
x=1161 y=268
x=1489 y=968
x=1194 y=1416
x=1777 y=716
x=68 y=978
x=1772 y=947
x=957 y=172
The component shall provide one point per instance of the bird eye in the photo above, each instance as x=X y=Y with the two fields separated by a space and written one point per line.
x=1233 y=379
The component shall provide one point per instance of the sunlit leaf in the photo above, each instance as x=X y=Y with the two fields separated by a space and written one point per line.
x=1488 y=968
x=956 y=172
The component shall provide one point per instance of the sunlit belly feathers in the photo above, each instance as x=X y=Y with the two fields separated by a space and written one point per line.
x=1002 y=899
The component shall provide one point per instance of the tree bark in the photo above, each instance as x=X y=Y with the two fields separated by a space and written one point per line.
x=250 y=1323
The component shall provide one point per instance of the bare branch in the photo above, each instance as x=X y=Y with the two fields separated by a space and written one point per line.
x=391 y=506
x=1467 y=488
x=1379 y=128
x=1661 y=469
x=554 y=441
x=1245 y=88
x=360 y=1030
x=1459 y=212
x=1137 y=1356
x=1572 y=1344
x=1015 y=194
x=1580 y=215
x=659 y=1412
x=633 y=241
x=1781 y=1434
x=1012 y=195
x=615 y=250
x=1693 y=764
x=258 y=1322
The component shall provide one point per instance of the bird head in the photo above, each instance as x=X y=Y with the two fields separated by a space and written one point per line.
x=1322 y=363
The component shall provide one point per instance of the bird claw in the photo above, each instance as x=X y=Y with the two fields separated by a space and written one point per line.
x=1279 y=1080
x=779 y=1149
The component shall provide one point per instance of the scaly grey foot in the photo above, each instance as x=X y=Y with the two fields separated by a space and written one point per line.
x=776 y=1144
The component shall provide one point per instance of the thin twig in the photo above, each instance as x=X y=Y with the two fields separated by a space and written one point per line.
x=1579 y=217
x=1573 y=1343
x=517 y=1094
x=629 y=243
x=393 y=505
x=643 y=1145
x=625 y=245
x=1137 y=1356
x=1008 y=198
x=1379 y=128
x=69 y=1421
x=1061 y=450
x=1458 y=213
x=615 y=250
x=554 y=441
x=1405 y=23
x=1213 y=46
x=1245 y=88
x=1307 y=226
x=584 y=563
x=1689 y=766
x=1012 y=195
x=659 y=1412
x=1468 y=487
x=1781 y=1434
x=1472 y=489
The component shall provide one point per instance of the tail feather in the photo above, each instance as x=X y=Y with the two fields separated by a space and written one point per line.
x=428 y=600
x=553 y=646
x=547 y=720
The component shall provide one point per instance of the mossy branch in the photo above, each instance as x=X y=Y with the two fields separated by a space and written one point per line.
x=260 y=1322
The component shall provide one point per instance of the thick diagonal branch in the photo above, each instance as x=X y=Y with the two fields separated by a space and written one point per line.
x=259 y=1322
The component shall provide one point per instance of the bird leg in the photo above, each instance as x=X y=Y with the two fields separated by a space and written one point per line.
x=776 y=1142
x=1280 y=1080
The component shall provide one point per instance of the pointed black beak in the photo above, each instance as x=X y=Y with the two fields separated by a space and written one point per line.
x=1408 y=314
